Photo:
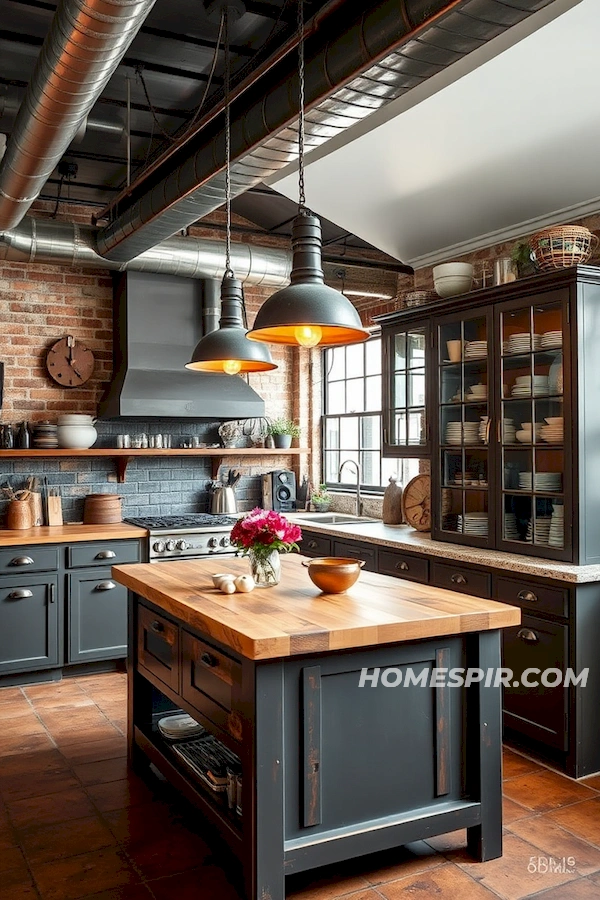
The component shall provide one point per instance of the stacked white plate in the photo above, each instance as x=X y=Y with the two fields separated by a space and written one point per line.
x=553 y=430
x=476 y=393
x=524 y=383
x=542 y=481
x=522 y=343
x=476 y=350
x=542 y=530
x=551 y=340
x=474 y=523
x=458 y=433
x=179 y=727
x=557 y=526
x=483 y=429
x=509 y=431
x=510 y=527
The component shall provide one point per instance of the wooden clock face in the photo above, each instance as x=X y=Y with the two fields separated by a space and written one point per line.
x=416 y=503
x=69 y=362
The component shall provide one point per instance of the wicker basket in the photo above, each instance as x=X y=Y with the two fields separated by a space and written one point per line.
x=562 y=246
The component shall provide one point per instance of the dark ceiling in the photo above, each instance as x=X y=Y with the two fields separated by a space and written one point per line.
x=166 y=72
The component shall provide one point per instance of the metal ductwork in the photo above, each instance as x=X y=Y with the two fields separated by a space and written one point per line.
x=351 y=71
x=47 y=241
x=85 y=44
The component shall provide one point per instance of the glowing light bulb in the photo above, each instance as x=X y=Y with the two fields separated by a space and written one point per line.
x=232 y=366
x=308 y=335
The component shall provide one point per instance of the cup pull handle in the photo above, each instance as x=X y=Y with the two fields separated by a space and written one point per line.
x=21 y=561
x=105 y=586
x=105 y=554
x=158 y=627
x=402 y=566
x=457 y=578
x=529 y=596
x=312 y=545
x=20 y=594
x=527 y=635
x=209 y=660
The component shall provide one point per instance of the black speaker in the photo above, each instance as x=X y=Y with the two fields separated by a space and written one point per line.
x=279 y=490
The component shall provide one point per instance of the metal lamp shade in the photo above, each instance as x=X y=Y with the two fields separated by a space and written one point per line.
x=308 y=312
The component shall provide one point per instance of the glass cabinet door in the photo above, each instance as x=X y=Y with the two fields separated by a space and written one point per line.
x=405 y=428
x=531 y=437
x=464 y=384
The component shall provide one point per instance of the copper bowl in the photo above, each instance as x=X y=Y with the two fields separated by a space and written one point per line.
x=333 y=574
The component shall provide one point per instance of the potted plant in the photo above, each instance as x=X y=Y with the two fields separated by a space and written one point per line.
x=282 y=432
x=321 y=498
x=521 y=259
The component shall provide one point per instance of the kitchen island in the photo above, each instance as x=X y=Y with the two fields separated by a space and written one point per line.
x=330 y=770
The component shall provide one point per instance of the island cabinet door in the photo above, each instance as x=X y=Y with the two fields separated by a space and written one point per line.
x=158 y=646
x=361 y=748
x=29 y=623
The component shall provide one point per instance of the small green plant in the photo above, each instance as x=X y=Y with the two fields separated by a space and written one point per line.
x=284 y=426
x=521 y=257
x=321 y=495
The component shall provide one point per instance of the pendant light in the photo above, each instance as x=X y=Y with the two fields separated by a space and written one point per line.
x=307 y=312
x=227 y=349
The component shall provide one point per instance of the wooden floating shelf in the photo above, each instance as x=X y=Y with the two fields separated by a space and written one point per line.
x=123 y=457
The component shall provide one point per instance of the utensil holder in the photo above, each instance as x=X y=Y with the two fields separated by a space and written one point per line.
x=55 y=516
x=37 y=512
x=19 y=515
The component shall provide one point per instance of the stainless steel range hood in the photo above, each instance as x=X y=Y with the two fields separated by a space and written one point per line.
x=157 y=323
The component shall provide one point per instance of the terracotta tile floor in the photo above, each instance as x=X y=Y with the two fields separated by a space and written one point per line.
x=75 y=825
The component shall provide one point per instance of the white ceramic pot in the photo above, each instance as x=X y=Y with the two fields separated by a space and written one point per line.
x=452 y=278
x=76 y=437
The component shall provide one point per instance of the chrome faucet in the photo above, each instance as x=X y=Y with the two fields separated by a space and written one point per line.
x=358 y=480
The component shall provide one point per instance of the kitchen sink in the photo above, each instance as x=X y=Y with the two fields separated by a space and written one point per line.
x=333 y=519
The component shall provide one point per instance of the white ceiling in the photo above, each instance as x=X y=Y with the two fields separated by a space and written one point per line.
x=476 y=156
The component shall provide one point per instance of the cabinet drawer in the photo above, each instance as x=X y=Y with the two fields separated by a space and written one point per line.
x=532 y=596
x=403 y=565
x=315 y=545
x=14 y=560
x=457 y=578
x=97 y=616
x=208 y=680
x=357 y=551
x=102 y=553
x=29 y=623
x=158 y=646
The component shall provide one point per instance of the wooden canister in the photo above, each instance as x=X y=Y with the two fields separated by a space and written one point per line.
x=392 y=503
x=19 y=514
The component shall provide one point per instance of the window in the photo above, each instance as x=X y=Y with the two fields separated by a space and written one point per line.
x=352 y=418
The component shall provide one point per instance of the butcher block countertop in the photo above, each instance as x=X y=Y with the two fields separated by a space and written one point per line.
x=294 y=617
x=67 y=534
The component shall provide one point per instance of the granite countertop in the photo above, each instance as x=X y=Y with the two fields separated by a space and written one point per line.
x=403 y=537
x=65 y=534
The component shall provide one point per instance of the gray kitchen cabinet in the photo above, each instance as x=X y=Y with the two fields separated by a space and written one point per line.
x=96 y=617
x=29 y=623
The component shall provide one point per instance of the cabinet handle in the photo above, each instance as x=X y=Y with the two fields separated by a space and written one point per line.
x=21 y=561
x=52 y=593
x=105 y=554
x=157 y=626
x=527 y=635
x=20 y=594
x=458 y=579
x=312 y=545
x=105 y=586
x=209 y=660
x=402 y=566
x=527 y=595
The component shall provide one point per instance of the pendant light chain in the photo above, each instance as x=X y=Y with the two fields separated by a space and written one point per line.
x=228 y=269
x=301 y=193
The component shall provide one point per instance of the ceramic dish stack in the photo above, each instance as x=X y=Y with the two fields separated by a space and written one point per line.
x=545 y=482
x=551 y=340
x=476 y=393
x=509 y=431
x=523 y=386
x=102 y=509
x=522 y=343
x=557 y=526
x=475 y=524
x=179 y=727
x=458 y=433
x=525 y=434
x=553 y=431
x=45 y=436
x=510 y=527
x=483 y=432
x=542 y=530
x=476 y=350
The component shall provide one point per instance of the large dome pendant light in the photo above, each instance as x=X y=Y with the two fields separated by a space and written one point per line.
x=307 y=312
x=227 y=349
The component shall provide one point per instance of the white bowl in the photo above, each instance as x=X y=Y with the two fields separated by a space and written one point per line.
x=554 y=420
x=524 y=437
x=453 y=268
x=450 y=285
x=220 y=577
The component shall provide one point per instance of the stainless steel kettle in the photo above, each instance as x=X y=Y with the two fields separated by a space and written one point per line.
x=222 y=501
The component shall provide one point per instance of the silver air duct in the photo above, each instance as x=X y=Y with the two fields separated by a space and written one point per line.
x=85 y=44
x=389 y=49
x=47 y=241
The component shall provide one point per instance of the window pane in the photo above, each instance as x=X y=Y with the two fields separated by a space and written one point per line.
x=370 y=432
x=349 y=433
x=332 y=464
x=349 y=472
x=373 y=392
x=400 y=428
x=416 y=349
x=370 y=468
x=399 y=391
x=336 y=397
x=355 y=360
x=332 y=434
x=355 y=395
x=400 y=351
x=335 y=365
x=416 y=387
x=416 y=426
x=373 y=357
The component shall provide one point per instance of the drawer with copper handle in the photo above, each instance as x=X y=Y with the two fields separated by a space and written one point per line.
x=14 y=560
x=404 y=565
x=532 y=596
x=315 y=545
x=209 y=680
x=459 y=578
x=158 y=646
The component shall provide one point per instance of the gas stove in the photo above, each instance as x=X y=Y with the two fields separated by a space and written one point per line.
x=186 y=536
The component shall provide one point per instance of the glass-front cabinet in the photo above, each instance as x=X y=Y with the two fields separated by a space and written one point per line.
x=405 y=424
x=512 y=394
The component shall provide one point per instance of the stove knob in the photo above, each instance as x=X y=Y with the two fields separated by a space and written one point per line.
x=213 y=542
x=225 y=542
x=159 y=546
x=182 y=545
x=170 y=545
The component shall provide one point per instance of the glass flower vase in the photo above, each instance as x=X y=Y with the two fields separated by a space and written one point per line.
x=265 y=568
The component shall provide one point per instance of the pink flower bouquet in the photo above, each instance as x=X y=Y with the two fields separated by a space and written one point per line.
x=263 y=530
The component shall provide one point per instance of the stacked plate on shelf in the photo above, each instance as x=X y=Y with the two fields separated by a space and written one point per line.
x=523 y=386
x=509 y=431
x=553 y=431
x=476 y=393
x=45 y=436
x=476 y=350
x=522 y=343
x=551 y=340
x=542 y=530
x=483 y=429
x=179 y=727
x=557 y=526
x=546 y=482
x=510 y=527
x=466 y=432
x=474 y=523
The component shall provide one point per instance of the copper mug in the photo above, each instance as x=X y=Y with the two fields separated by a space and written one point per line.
x=19 y=514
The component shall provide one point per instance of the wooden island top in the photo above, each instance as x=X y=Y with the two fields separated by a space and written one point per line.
x=294 y=617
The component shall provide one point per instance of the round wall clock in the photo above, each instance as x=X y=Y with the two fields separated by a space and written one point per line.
x=69 y=362
x=416 y=503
